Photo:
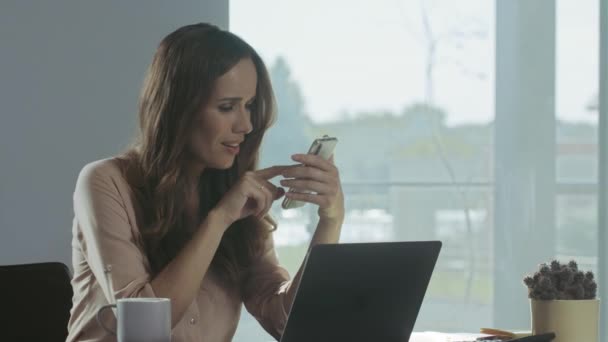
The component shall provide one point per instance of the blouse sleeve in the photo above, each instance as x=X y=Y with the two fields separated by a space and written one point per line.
x=106 y=235
x=265 y=287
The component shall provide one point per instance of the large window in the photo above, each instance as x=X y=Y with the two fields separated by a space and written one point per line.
x=471 y=122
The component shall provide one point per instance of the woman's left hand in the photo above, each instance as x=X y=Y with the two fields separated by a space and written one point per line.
x=321 y=177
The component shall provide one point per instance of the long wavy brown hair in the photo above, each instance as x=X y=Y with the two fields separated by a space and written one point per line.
x=178 y=84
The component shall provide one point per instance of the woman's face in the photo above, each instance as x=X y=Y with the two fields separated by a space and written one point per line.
x=224 y=121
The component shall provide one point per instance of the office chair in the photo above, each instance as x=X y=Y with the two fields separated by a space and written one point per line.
x=35 y=302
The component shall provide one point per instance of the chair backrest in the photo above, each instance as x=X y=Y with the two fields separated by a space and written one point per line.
x=35 y=302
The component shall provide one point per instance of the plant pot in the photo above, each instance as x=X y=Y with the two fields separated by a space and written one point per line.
x=570 y=320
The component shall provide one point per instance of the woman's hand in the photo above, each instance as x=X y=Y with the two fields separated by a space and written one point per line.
x=321 y=177
x=253 y=194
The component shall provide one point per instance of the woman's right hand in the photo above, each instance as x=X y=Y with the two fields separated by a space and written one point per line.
x=253 y=194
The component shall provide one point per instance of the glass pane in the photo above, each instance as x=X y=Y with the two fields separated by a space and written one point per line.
x=577 y=84
x=577 y=229
x=407 y=87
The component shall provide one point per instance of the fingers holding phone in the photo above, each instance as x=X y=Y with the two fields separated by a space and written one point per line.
x=322 y=147
x=314 y=174
x=316 y=180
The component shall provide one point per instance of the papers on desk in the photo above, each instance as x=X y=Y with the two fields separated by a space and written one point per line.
x=430 y=336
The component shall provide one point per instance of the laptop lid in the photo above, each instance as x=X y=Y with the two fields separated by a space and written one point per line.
x=361 y=292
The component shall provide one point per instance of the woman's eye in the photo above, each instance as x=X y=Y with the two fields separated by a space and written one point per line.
x=226 y=108
x=249 y=106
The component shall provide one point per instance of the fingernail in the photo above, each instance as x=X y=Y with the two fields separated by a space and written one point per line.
x=295 y=157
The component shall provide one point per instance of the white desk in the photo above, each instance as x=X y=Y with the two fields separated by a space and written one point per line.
x=429 y=336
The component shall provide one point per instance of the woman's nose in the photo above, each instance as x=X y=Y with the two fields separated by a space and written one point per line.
x=243 y=123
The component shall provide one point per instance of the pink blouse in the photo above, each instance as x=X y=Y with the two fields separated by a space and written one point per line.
x=105 y=231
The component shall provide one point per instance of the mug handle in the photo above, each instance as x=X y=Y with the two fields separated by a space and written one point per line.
x=98 y=316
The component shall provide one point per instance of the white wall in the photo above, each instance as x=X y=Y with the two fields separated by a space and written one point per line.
x=70 y=74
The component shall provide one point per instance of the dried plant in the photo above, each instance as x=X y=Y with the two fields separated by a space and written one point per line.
x=561 y=281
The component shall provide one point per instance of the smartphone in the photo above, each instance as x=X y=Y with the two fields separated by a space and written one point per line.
x=323 y=147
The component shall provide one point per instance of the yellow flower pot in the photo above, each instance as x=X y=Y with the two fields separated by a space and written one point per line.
x=570 y=320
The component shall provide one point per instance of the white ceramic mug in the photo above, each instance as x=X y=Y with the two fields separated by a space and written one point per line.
x=140 y=319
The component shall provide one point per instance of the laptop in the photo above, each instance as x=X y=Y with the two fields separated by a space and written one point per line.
x=355 y=292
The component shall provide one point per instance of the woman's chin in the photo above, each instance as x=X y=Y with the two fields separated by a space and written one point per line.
x=224 y=165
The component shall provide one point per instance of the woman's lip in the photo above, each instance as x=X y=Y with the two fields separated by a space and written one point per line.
x=231 y=144
x=232 y=149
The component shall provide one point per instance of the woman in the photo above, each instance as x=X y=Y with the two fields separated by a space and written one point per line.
x=184 y=213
